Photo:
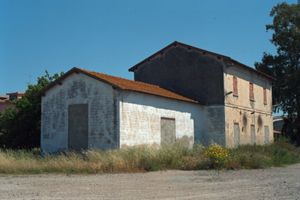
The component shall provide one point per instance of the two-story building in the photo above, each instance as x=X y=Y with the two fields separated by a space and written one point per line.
x=181 y=93
x=237 y=98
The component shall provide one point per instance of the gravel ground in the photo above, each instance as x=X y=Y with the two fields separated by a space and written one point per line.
x=274 y=183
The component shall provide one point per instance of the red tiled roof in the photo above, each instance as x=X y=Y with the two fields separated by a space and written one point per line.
x=125 y=84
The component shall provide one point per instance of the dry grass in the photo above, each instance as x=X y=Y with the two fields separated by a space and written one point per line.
x=137 y=159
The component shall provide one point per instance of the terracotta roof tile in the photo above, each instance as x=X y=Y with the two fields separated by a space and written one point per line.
x=137 y=86
x=125 y=84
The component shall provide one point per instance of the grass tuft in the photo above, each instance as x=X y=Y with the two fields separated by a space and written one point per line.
x=145 y=158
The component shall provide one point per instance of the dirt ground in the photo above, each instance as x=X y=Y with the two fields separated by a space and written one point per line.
x=274 y=183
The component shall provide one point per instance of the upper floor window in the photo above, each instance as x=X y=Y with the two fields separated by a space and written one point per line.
x=251 y=91
x=265 y=96
x=235 y=86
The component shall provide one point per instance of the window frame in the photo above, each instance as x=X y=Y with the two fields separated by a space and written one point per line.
x=265 y=96
x=235 y=90
x=251 y=91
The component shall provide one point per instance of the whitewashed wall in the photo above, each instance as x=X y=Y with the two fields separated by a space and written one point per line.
x=140 y=116
x=103 y=116
x=116 y=118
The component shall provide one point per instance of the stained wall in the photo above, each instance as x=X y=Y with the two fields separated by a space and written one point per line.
x=103 y=128
x=140 y=119
x=244 y=112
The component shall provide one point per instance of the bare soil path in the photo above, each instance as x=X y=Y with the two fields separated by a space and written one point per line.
x=274 y=183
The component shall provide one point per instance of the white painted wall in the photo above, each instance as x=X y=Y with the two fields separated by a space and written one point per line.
x=140 y=116
x=79 y=89
x=116 y=118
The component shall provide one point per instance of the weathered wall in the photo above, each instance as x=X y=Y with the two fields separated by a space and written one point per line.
x=240 y=109
x=214 y=126
x=102 y=111
x=140 y=116
x=245 y=119
x=187 y=72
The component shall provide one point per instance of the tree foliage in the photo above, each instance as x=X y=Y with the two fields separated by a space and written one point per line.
x=284 y=66
x=20 y=125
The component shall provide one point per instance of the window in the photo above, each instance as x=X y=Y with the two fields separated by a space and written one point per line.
x=265 y=96
x=235 y=86
x=251 y=92
x=253 y=135
x=236 y=134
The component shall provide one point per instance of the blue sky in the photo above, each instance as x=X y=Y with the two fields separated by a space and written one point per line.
x=111 y=36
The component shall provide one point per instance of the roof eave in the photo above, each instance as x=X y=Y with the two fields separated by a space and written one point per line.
x=78 y=70
x=71 y=71
x=151 y=56
x=271 y=78
x=220 y=56
x=187 y=100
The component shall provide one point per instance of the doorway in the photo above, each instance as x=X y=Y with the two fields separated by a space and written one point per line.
x=78 y=127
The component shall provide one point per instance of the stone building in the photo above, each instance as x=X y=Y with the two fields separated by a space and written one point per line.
x=179 y=93
x=238 y=99
x=86 y=110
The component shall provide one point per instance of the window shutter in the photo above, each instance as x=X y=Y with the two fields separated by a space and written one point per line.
x=235 y=86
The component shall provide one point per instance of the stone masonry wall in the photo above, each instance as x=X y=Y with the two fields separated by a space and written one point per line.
x=242 y=111
x=102 y=111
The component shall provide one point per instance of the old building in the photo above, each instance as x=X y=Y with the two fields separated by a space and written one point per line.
x=237 y=98
x=86 y=109
x=179 y=93
x=7 y=100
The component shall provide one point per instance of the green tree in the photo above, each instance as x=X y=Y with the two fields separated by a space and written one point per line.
x=284 y=66
x=20 y=125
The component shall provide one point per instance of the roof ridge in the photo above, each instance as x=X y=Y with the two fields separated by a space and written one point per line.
x=117 y=77
x=224 y=57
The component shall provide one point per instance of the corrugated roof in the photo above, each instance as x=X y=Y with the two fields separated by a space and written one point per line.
x=125 y=84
